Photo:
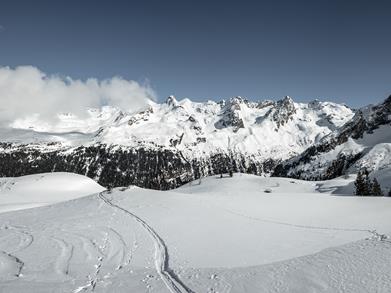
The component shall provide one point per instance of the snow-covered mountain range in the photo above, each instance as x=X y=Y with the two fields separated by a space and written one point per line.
x=168 y=144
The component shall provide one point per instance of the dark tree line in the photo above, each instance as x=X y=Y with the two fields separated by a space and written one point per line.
x=110 y=166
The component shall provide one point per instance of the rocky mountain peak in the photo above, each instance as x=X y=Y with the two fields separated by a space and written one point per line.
x=314 y=104
x=341 y=149
x=282 y=112
x=237 y=100
x=231 y=114
x=172 y=101
x=286 y=100
x=265 y=103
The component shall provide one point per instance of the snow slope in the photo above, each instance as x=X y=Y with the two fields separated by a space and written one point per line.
x=214 y=235
x=43 y=189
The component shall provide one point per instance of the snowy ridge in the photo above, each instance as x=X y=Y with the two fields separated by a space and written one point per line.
x=363 y=142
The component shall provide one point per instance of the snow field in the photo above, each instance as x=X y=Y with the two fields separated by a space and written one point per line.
x=222 y=235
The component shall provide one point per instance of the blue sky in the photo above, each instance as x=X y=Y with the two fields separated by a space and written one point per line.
x=333 y=50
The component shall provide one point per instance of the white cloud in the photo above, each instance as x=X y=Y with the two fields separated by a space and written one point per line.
x=26 y=91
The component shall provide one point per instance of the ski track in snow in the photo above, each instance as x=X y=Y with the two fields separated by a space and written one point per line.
x=94 y=278
x=25 y=240
x=25 y=237
x=170 y=279
x=62 y=262
x=87 y=245
x=117 y=248
x=374 y=233
x=4 y=256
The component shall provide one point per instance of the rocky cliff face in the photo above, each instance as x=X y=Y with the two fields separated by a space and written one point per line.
x=231 y=115
x=339 y=152
x=169 y=144
x=282 y=112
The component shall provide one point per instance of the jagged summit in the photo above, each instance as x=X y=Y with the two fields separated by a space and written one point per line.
x=231 y=114
x=171 y=101
x=287 y=99
x=282 y=112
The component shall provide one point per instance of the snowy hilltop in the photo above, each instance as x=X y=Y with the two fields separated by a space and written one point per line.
x=166 y=145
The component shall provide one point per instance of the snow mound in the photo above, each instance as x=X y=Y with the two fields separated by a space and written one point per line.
x=43 y=189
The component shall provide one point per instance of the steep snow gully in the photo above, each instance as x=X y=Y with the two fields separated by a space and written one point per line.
x=161 y=257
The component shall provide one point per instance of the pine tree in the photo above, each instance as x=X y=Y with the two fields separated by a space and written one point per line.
x=389 y=192
x=367 y=184
x=363 y=183
x=376 y=189
x=360 y=184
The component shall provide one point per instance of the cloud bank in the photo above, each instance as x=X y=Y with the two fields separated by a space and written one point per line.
x=26 y=90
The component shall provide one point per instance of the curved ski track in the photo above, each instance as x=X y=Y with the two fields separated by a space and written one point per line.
x=170 y=279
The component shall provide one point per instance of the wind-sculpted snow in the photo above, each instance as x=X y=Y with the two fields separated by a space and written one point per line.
x=213 y=235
